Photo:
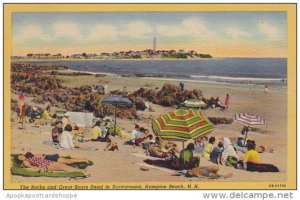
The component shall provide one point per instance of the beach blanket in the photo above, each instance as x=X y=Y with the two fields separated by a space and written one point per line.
x=57 y=146
x=18 y=169
x=81 y=119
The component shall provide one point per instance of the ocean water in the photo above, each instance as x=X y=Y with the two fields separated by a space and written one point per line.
x=232 y=70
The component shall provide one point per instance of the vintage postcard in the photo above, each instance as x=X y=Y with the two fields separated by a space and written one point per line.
x=149 y=96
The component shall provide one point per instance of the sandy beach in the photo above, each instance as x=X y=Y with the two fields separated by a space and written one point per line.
x=124 y=165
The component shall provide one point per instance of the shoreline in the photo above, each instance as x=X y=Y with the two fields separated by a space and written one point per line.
x=232 y=81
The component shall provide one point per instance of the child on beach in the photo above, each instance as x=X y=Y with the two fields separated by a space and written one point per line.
x=215 y=155
x=56 y=132
x=200 y=144
x=208 y=148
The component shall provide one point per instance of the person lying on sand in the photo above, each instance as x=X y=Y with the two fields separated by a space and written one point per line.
x=155 y=151
x=206 y=171
x=165 y=145
x=52 y=162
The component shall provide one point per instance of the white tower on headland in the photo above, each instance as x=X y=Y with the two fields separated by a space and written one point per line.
x=154 y=44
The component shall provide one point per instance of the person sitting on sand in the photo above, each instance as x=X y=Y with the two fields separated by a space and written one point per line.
x=149 y=140
x=200 y=145
x=206 y=171
x=46 y=114
x=216 y=153
x=52 y=162
x=56 y=132
x=187 y=158
x=78 y=134
x=219 y=103
x=135 y=131
x=54 y=120
x=66 y=139
x=251 y=161
x=96 y=132
x=251 y=155
x=142 y=137
x=208 y=148
x=65 y=120
x=34 y=114
x=229 y=156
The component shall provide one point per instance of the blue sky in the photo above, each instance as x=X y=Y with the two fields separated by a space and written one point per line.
x=223 y=34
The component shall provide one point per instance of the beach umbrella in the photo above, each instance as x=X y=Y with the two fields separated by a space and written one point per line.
x=249 y=120
x=194 y=103
x=182 y=125
x=117 y=100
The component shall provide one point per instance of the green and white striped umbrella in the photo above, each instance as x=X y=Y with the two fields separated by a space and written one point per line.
x=194 y=103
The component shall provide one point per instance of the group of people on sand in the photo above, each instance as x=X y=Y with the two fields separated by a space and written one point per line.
x=225 y=154
x=217 y=103
x=35 y=114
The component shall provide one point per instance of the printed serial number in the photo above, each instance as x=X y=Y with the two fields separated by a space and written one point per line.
x=277 y=185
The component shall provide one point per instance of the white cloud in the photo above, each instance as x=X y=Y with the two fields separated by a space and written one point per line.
x=102 y=31
x=271 y=32
x=137 y=29
x=66 y=29
x=236 y=33
x=170 y=31
x=194 y=26
x=31 y=32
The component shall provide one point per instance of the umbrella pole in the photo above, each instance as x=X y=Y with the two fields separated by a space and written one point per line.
x=183 y=152
x=245 y=138
x=115 y=120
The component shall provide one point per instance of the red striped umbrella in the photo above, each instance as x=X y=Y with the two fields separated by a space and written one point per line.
x=249 y=119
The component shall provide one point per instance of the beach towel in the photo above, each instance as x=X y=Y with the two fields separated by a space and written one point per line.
x=255 y=167
x=18 y=169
